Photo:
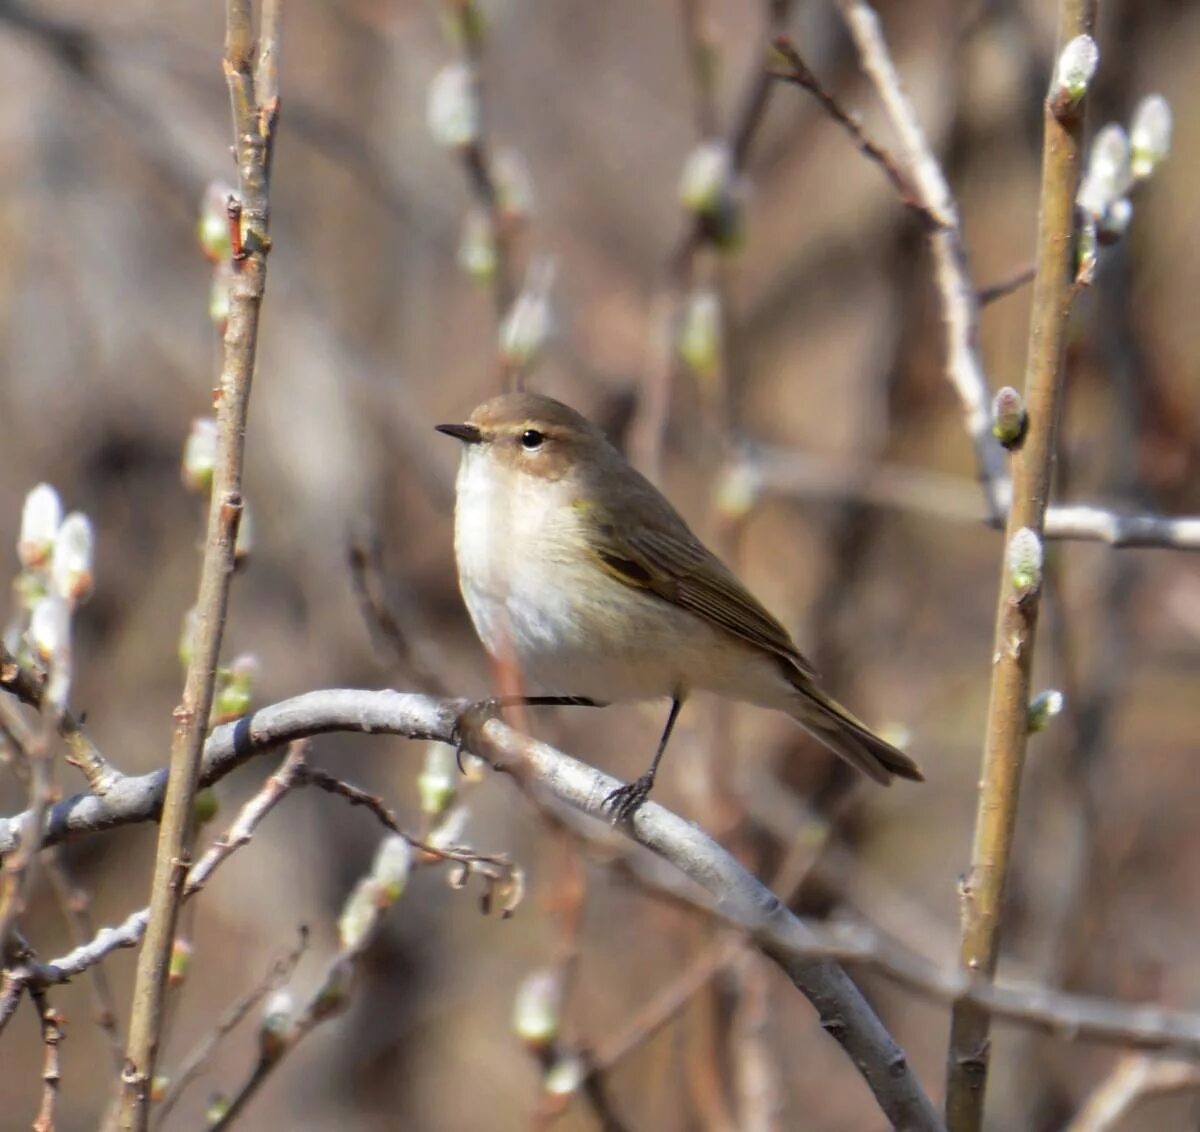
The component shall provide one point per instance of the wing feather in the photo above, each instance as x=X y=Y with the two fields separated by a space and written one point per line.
x=674 y=565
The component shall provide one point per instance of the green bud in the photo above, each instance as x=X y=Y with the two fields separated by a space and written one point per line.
x=393 y=863
x=1009 y=419
x=180 y=964
x=527 y=326
x=275 y=1030
x=360 y=914
x=29 y=586
x=453 y=109
x=514 y=186
x=1043 y=708
x=205 y=806
x=565 y=1076
x=212 y=228
x=700 y=333
x=200 y=454
x=1108 y=176
x=158 y=1087
x=235 y=688
x=218 y=1108
x=49 y=630
x=707 y=179
x=1024 y=560
x=436 y=784
x=537 y=1009
x=1149 y=136
x=738 y=489
x=71 y=561
x=477 y=248
x=1076 y=65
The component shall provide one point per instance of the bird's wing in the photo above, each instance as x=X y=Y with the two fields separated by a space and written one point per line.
x=675 y=566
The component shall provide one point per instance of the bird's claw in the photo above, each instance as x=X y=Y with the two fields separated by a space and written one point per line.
x=480 y=709
x=623 y=802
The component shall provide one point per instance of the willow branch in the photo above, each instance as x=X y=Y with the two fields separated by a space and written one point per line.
x=254 y=116
x=1017 y=611
x=960 y=307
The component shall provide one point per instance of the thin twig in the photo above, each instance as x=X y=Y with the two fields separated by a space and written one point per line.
x=479 y=165
x=960 y=312
x=51 y=1023
x=1134 y=1080
x=36 y=750
x=701 y=60
x=501 y=880
x=648 y=430
x=29 y=686
x=76 y=908
x=667 y=1002
x=1018 y=606
x=192 y=1065
x=331 y=997
x=1006 y=286
x=253 y=90
x=802 y=76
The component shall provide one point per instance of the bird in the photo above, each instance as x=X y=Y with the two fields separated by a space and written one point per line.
x=577 y=568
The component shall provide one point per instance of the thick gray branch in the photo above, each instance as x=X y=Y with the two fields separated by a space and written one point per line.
x=738 y=896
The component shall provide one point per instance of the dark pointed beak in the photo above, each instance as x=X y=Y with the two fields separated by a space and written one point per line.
x=467 y=433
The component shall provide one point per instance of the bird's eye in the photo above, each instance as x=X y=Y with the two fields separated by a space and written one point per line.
x=531 y=439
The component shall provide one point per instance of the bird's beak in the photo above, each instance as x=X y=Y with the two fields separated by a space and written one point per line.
x=467 y=433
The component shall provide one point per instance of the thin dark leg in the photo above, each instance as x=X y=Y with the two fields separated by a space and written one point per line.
x=546 y=701
x=624 y=801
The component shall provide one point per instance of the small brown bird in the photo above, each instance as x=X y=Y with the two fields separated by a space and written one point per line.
x=576 y=566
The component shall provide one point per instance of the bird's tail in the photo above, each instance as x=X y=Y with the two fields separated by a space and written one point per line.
x=825 y=719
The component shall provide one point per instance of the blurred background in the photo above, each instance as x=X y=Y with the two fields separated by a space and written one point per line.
x=873 y=551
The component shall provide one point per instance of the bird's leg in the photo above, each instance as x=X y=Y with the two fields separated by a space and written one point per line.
x=488 y=708
x=624 y=801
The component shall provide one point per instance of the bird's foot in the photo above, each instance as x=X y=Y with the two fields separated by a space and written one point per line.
x=473 y=714
x=623 y=802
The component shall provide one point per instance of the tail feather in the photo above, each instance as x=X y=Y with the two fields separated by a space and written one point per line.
x=833 y=725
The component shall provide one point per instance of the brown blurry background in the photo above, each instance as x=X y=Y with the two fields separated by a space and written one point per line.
x=114 y=119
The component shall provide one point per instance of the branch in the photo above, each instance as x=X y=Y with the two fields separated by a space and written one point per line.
x=948 y=497
x=253 y=92
x=960 y=308
x=648 y=428
x=802 y=76
x=1134 y=1080
x=478 y=163
x=51 y=1022
x=739 y=897
x=279 y=972
x=735 y=895
x=1020 y=591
